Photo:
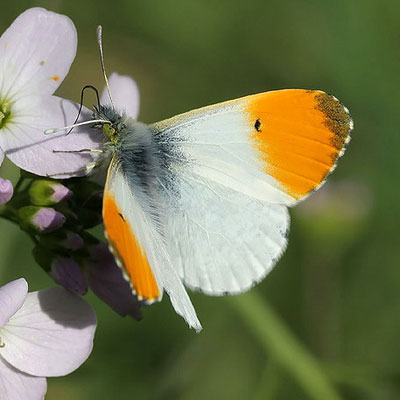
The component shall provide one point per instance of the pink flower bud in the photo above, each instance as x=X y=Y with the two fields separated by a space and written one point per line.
x=40 y=219
x=60 y=192
x=47 y=193
x=66 y=272
x=6 y=191
x=48 y=220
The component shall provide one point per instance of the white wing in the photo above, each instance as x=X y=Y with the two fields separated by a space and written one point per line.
x=232 y=169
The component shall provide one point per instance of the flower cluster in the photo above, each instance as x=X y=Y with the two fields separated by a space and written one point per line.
x=43 y=206
x=36 y=52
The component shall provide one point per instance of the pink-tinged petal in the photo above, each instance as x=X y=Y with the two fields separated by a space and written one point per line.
x=40 y=219
x=125 y=94
x=6 y=191
x=51 y=335
x=106 y=281
x=60 y=193
x=28 y=147
x=48 y=220
x=43 y=192
x=36 y=52
x=12 y=296
x=16 y=385
x=66 y=272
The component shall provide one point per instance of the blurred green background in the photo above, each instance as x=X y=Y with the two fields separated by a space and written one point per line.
x=325 y=324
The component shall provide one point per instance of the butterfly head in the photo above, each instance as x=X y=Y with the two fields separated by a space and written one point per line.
x=115 y=122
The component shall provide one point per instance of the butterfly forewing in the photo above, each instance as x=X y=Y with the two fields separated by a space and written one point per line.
x=276 y=146
x=233 y=169
x=138 y=245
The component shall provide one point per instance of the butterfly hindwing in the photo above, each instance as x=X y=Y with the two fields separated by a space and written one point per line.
x=222 y=241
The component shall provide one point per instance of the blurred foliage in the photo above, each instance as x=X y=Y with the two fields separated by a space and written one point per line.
x=337 y=288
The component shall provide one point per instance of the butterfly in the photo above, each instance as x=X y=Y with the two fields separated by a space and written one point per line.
x=201 y=199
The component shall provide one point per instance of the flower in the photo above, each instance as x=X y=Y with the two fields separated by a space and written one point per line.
x=125 y=94
x=6 y=191
x=36 y=52
x=44 y=333
x=106 y=281
x=6 y=187
x=48 y=193
x=66 y=272
x=69 y=240
x=40 y=219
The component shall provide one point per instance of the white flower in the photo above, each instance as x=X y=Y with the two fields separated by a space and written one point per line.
x=36 y=52
x=44 y=333
x=125 y=94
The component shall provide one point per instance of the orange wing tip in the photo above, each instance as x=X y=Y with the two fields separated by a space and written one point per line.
x=300 y=134
x=337 y=118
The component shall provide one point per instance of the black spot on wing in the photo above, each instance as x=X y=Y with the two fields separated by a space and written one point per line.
x=122 y=217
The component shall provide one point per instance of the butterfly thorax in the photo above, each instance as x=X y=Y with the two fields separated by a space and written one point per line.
x=132 y=144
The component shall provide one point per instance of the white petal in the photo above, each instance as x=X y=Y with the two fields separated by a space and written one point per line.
x=51 y=335
x=1 y=156
x=16 y=385
x=125 y=94
x=12 y=296
x=27 y=146
x=36 y=52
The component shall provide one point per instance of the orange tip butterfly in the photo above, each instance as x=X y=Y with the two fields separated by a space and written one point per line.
x=200 y=200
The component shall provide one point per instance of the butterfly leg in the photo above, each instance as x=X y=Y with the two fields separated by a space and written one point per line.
x=84 y=170
x=79 y=151
x=89 y=167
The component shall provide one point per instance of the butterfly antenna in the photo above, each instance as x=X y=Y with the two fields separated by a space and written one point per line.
x=81 y=104
x=92 y=121
x=99 y=41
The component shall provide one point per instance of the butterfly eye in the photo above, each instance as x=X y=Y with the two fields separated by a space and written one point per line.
x=257 y=125
x=108 y=130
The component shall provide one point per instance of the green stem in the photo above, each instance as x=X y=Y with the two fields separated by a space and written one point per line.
x=9 y=213
x=270 y=382
x=18 y=185
x=282 y=345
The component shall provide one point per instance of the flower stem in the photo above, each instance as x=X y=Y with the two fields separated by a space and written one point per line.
x=270 y=382
x=8 y=213
x=280 y=344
